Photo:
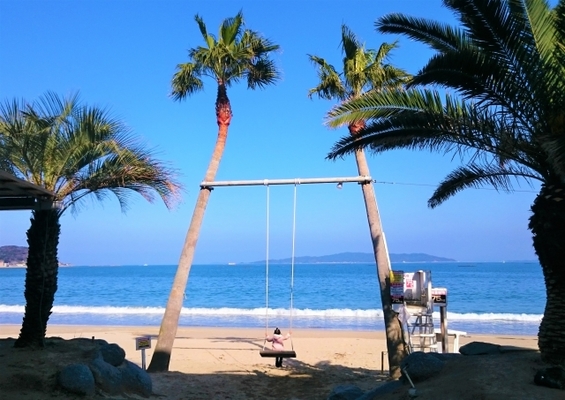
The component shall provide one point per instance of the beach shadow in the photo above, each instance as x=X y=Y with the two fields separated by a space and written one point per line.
x=262 y=380
x=296 y=380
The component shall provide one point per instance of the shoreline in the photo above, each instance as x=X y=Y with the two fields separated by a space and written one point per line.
x=252 y=338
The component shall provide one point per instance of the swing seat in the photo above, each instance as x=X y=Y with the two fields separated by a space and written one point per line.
x=278 y=353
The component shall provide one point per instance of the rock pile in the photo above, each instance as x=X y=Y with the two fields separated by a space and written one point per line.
x=107 y=373
x=420 y=366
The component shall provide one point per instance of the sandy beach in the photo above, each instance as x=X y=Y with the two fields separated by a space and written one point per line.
x=224 y=363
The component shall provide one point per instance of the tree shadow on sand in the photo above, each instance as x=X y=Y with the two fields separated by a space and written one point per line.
x=295 y=380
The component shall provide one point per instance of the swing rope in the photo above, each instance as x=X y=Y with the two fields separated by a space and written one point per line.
x=292 y=262
x=267 y=269
x=267 y=240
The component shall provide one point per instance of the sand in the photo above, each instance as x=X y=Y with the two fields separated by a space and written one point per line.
x=224 y=363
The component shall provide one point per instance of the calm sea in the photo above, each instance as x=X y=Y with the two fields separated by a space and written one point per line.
x=495 y=298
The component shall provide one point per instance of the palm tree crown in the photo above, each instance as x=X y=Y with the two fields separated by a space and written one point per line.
x=236 y=54
x=76 y=151
x=364 y=70
x=506 y=65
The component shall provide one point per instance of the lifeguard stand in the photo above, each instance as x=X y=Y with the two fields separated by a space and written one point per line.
x=420 y=324
x=413 y=301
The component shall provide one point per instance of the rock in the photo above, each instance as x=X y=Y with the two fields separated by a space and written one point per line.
x=385 y=388
x=446 y=356
x=479 y=348
x=421 y=366
x=113 y=354
x=345 y=392
x=77 y=378
x=107 y=377
x=135 y=380
x=553 y=377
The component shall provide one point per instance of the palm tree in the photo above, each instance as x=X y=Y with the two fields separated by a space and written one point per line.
x=506 y=65
x=237 y=53
x=74 y=151
x=365 y=71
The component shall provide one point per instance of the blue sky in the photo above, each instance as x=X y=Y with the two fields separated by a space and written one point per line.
x=122 y=55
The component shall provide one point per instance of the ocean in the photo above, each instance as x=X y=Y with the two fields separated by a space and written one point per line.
x=483 y=298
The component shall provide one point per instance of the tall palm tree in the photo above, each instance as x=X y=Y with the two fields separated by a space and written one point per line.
x=366 y=71
x=74 y=151
x=506 y=67
x=237 y=53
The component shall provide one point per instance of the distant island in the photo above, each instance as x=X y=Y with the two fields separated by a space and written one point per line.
x=16 y=256
x=358 y=258
x=13 y=256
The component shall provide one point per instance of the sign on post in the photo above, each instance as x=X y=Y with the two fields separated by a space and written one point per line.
x=439 y=296
x=142 y=343
x=397 y=287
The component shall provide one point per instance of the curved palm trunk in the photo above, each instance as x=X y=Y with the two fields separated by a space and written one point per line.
x=394 y=338
x=547 y=224
x=169 y=325
x=41 y=277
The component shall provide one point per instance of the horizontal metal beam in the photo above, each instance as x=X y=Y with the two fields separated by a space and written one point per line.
x=295 y=181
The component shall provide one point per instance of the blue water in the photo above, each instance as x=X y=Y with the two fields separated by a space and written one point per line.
x=493 y=298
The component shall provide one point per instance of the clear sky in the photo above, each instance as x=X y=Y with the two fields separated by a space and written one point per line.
x=122 y=55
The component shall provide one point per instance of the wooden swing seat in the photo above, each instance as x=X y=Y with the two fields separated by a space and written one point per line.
x=278 y=353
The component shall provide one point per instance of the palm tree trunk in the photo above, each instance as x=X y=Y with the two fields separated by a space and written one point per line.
x=41 y=277
x=547 y=224
x=169 y=325
x=394 y=339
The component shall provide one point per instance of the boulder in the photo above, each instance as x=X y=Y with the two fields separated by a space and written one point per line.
x=345 y=392
x=77 y=378
x=420 y=366
x=479 y=348
x=385 y=388
x=446 y=356
x=553 y=377
x=135 y=380
x=107 y=377
x=113 y=354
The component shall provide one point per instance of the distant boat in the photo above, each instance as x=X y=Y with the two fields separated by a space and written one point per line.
x=231 y=263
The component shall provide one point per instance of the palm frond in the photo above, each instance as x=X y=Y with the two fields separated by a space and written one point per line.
x=501 y=31
x=230 y=29
x=349 y=43
x=208 y=38
x=376 y=105
x=186 y=81
x=422 y=120
x=478 y=176
x=440 y=37
x=542 y=22
x=261 y=73
x=331 y=85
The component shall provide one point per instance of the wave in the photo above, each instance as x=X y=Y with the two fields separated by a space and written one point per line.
x=278 y=312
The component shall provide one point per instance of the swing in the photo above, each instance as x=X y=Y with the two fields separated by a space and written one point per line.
x=279 y=353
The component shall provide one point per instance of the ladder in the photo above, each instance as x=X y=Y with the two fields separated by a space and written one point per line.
x=421 y=330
